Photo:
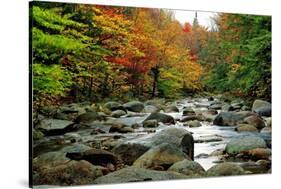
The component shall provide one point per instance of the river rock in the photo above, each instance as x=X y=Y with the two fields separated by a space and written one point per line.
x=150 y=123
x=52 y=127
x=261 y=107
x=134 y=106
x=246 y=128
x=189 y=118
x=87 y=117
x=258 y=153
x=50 y=159
x=113 y=106
x=171 y=109
x=266 y=130
x=239 y=144
x=188 y=167
x=225 y=169
x=129 y=152
x=255 y=121
x=245 y=108
x=120 y=128
x=160 y=117
x=163 y=155
x=170 y=135
x=206 y=116
x=118 y=113
x=51 y=124
x=135 y=174
x=150 y=109
x=94 y=156
x=194 y=123
x=230 y=118
x=178 y=137
x=188 y=111
x=71 y=173
x=210 y=98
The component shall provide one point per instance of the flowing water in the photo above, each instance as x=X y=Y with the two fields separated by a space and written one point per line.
x=208 y=138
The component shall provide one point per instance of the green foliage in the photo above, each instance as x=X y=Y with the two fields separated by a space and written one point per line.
x=51 y=19
x=50 y=80
x=170 y=83
x=241 y=60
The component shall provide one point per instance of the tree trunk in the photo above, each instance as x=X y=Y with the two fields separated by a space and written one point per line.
x=155 y=72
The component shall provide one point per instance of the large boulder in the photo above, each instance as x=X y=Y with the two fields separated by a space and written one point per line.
x=258 y=153
x=188 y=167
x=261 y=107
x=255 y=121
x=71 y=173
x=129 y=152
x=52 y=124
x=161 y=156
x=88 y=117
x=231 y=118
x=120 y=128
x=171 y=109
x=246 y=128
x=150 y=123
x=175 y=136
x=135 y=174
x=118 y=113
x=113 y=106
x=150 y=109
x=239 y=144
x=194 y=123
x=52 y=127
x=225 y=169
x=188 y=111
x=134 y=106
x=50 y=159
x=160 y=117
x=94 y=156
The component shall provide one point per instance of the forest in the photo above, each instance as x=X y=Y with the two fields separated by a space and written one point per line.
x=91 y=53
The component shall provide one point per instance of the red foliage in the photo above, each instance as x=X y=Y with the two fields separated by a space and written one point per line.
x=193 y=57
x=187 y=27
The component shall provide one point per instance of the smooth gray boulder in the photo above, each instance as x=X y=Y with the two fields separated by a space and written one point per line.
x=239 y=144
x=134 y=106
x=188 y=167
x=134 y=174
x=231 y=118
x=225 y=169
x=261 y=107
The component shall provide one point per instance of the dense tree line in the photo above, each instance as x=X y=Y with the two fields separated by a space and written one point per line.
x=90 y=52
x=237 y=56
x=86 y=52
